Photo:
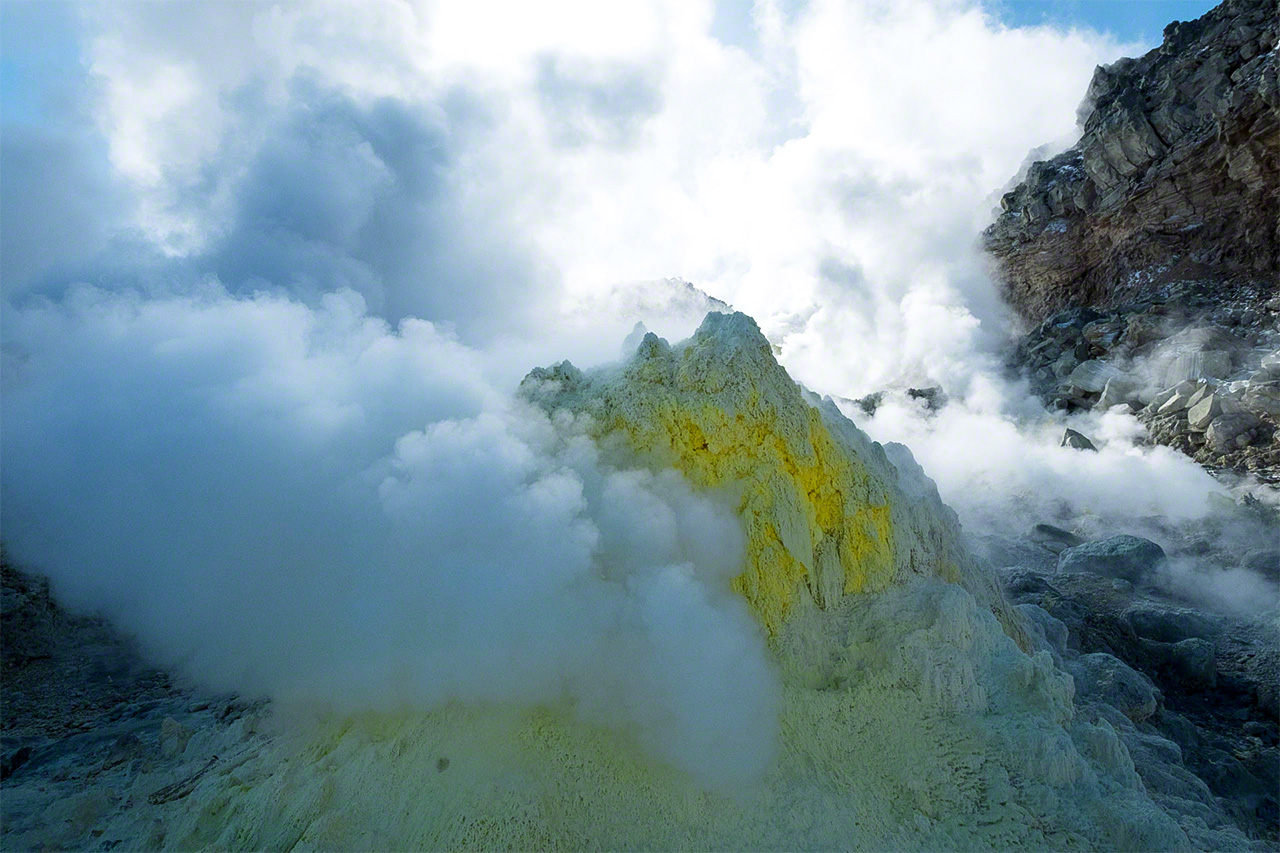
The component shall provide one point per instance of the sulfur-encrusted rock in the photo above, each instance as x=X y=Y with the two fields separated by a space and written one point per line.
x=900 y=691
x=827 y=513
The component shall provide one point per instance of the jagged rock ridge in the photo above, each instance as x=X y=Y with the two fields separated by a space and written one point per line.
x=1176 y=176
x=827 y=512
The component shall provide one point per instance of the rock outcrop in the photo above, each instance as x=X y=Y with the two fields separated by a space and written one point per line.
x=1176 y=177
x=1148 y=254
x=89 y=733
x=1195 y=691
x=1203 y=377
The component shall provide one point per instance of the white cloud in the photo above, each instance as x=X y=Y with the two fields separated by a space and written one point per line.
x=633 y=145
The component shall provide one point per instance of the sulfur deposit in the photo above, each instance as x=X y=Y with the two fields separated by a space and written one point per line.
x=917 y=710
x=825 y=511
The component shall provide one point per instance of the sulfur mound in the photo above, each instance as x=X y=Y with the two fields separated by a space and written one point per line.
x=915 y=712
x=827 y=514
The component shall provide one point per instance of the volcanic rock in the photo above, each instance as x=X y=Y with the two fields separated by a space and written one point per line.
x=1228 y=432
x=1176 y=175
x=1202 y=413
x=1107 y=679
x=1129 y=558
x=1076 y=440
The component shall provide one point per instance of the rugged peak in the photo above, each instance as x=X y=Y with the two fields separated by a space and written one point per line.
x=1176 y=175
x=731 y=326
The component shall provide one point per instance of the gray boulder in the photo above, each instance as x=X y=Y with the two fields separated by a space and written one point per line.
x=1065 y=364
x=1208 y=364
x=1202 y=413
x=1118 y=390
x=1053 y=538
x=1263 y=397
x=1129 y=558
x=1192 y=659
x=1271 y=364
x=1202 y=391
x=1170 y=624
x=1187 y=664
x=1106 y=679
x=1179 y=399
x=1091 y=376
x=1051 y=629
x=1071 y=438
x=1159 y=398
x=1231 y=430
x=1020 y=551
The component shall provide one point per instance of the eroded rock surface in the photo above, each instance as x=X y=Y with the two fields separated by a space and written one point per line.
x=1176 y=176
x=95 y=745
x=1201 y=371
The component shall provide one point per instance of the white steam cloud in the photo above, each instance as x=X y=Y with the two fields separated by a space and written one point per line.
x=275 y=436
x=305 y=503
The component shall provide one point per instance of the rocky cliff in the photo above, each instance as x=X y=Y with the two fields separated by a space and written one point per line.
x=1149 y=253
x=1176 y=176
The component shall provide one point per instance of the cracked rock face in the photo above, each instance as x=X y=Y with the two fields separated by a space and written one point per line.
x=1176 y=175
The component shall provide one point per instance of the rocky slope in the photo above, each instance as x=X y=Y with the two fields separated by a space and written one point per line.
x=827 y=513
x=1180 y=674
x=1176 y=176
x=1203 y=376
x=90 y=734
x=1147 y=258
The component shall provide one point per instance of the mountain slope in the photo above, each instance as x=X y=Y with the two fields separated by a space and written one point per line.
x=908 y=715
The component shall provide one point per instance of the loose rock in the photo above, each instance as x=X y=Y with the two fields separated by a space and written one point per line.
x=1129 y=558
x=1071 y=438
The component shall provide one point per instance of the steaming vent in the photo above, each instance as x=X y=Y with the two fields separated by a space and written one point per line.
x=711 y=612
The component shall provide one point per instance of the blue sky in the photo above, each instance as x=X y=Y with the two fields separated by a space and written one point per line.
x=1140 y=21
x=1129 y=21
x=40 y=49
x=39 y=57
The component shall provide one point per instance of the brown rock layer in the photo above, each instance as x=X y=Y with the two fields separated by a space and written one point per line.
x=1176 y=176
